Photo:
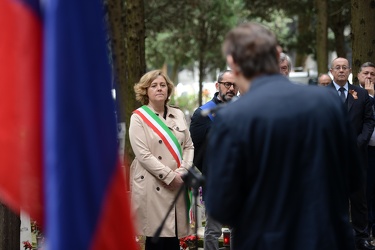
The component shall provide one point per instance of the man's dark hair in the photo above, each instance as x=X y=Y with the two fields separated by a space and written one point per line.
x=253 y=48
x=367 y=64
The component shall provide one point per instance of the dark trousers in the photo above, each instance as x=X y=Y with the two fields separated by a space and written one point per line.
x=358 y=211
x=164 y=243
x=358 y=205
x=371 y=189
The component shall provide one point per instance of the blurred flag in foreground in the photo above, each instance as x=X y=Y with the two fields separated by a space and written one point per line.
x=58 y=148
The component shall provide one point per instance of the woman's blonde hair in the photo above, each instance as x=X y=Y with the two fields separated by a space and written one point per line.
x=144 y=83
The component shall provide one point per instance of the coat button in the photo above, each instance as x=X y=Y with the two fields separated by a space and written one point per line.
x=182 y=143
x=158 y=188
x=160 y=176
x=160 y=141
x=159 y=157
x=177 y=129
x=142 y=177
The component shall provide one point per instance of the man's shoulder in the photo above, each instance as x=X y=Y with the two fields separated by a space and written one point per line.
x=208 y=105
x=197 y=118
x=358 y=89
x=196 y=113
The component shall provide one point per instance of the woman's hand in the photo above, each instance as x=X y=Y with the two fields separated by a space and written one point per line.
x=176 y=183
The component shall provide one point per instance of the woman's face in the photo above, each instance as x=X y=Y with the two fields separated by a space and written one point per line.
x=158 y=90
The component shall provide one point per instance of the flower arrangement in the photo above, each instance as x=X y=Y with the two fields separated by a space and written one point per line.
x=27 y=245
x=35 y=229
x=189 y=242
x=353 y=93
x=38 y=238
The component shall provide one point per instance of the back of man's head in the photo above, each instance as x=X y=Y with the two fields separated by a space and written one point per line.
x=253 y=48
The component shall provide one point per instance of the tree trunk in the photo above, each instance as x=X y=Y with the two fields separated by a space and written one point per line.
x=321 y=36
x=116 y=25
x=201 y=77
x=363 y=34
x=9 y=229
x=338 y=27
x=303 y=22
x=201 y=57
x=135 y=63
x=127 y=30
x=174 y=73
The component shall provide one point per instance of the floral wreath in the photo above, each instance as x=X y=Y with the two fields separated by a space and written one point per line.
x=27 y=245
x=189 y=242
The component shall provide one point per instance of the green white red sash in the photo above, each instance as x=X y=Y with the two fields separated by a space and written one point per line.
x=159 y=127
x=170 y=140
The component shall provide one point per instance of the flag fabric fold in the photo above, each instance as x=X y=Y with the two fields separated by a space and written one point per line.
x=70 y=127
x=20 y=107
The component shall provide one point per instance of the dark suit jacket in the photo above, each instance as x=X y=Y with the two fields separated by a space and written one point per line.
x=280 y=160
x=360 y=114
x=199 y=127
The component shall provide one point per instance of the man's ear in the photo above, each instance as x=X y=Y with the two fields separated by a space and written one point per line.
x=233 y=66
x=217 y=86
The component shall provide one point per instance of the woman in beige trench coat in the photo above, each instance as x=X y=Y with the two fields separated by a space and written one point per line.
x=155 y=176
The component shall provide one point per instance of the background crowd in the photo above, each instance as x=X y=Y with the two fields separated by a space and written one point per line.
x=286 y=165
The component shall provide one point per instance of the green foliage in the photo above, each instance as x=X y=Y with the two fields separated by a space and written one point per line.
x=265 y=8
x=282 y=25
x=187 y=103
x=179 y=32
x=167 y=47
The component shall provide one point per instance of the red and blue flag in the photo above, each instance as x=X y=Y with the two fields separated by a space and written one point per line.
x=58 y=144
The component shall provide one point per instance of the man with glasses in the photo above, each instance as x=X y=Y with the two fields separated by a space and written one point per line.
x=359 y=107
x=199 y=128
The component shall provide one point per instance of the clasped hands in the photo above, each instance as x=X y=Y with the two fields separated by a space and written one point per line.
x=176 y=183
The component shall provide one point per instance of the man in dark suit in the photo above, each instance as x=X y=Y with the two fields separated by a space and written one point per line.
x=366 y=79
x=359 y=107
x=279 y=165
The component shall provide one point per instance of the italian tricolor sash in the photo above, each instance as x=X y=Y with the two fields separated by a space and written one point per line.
x=159 y=127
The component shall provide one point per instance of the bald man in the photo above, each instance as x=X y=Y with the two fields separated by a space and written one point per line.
x=324 y=80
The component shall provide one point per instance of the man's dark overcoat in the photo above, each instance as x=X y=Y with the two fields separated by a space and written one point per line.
x=281 y=161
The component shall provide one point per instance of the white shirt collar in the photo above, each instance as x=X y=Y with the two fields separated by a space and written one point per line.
x=346 y=86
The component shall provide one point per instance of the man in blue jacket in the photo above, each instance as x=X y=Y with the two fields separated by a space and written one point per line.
x=279 y=166
x=199 y=128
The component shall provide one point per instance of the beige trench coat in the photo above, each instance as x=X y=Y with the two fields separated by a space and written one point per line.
x=154 y=166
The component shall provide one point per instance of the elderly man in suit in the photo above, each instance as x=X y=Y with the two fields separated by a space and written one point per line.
x=279 y=167
x=359 y=108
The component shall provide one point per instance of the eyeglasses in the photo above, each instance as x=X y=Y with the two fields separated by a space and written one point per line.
x=337 y=68
x=229 y=84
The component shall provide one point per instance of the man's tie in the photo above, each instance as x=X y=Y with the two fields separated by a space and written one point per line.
x=342 y=94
